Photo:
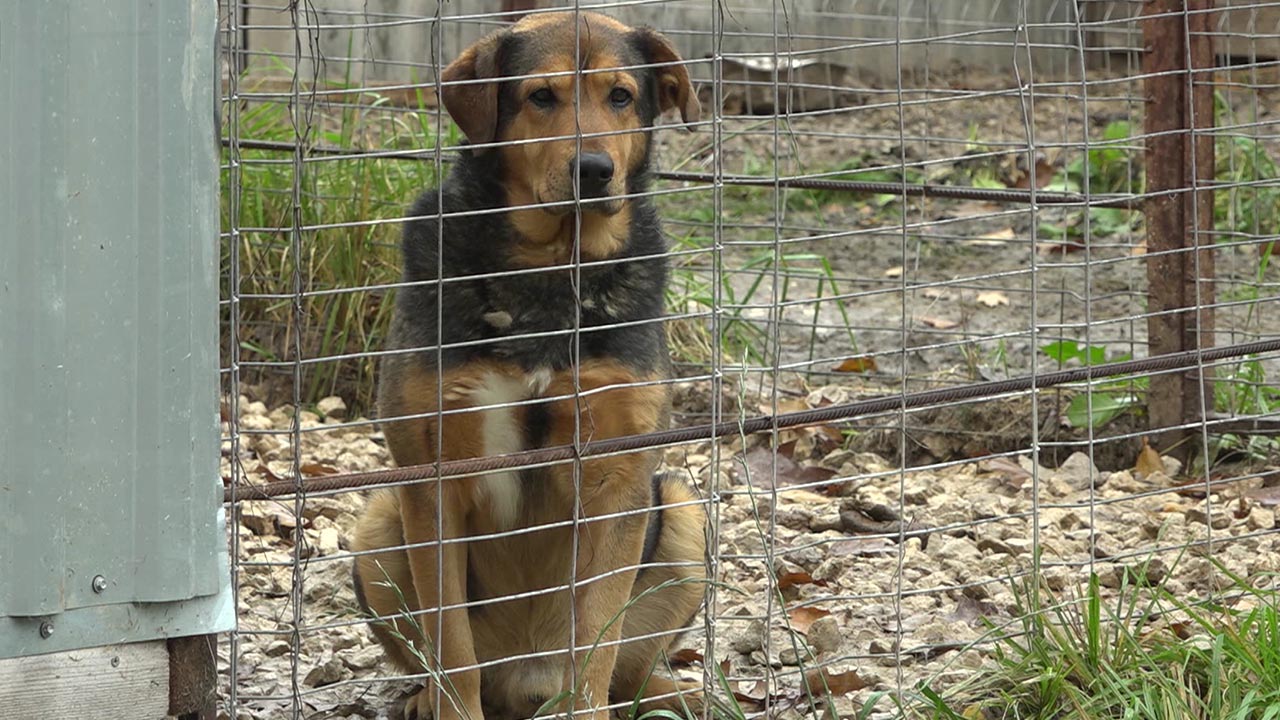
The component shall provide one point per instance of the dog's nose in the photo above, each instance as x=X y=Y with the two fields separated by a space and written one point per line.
x=595 y=170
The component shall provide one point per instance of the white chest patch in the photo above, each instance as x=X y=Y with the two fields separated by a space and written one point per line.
x=502 y=436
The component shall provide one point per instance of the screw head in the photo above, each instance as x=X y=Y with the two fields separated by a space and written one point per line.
x=99 y=583
x=46 y=630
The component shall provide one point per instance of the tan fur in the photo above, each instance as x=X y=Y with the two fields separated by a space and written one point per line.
x=541 y=559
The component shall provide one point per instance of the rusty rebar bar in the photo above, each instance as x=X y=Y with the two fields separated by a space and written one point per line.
x=817 y=416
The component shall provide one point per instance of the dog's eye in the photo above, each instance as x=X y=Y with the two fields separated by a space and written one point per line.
x=620 y=97
x=542 y=97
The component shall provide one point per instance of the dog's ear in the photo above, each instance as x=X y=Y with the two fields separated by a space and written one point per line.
x=474 y=106
x=674 y=87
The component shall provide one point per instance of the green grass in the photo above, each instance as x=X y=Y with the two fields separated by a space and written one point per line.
x=333 y=191
x=1136 y=653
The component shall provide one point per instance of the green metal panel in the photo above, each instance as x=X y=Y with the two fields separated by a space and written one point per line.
x=108 y=324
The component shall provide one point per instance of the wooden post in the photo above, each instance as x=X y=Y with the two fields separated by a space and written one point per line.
x=1177 y=63
x=193 y=677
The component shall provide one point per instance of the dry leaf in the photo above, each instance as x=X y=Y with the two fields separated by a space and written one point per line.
x=935 y=293
x=802 y=618
x=761 y=465
x=939 y=323
x=819 y=682
x=312 y=469
x=992 y=298
x=857 y=365
x=266 y=471
x=791 y=579
x=1008 y=470
x=999 y=237
x=1045 y=171
x=1139 y=249
x=894 y=272
x=687 y=656
x=1149 y=461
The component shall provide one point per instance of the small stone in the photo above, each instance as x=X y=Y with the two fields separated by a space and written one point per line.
x=280 y=419
x=880 y=647
x=1217 y=520
x=277 y=648
x=824 y=635
x=791 y=656
x=988 y=505
x=994 y=545
x=1078 y=472
x=253 y=408
x=326 y=673
x=1261 y=518
x=1019 y=546
x=332 y=407
x=366 y=658
x=749 y=640
x=343 y=641
x=328 y=541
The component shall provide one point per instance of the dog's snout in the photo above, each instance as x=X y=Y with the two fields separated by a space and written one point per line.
x=595 y=171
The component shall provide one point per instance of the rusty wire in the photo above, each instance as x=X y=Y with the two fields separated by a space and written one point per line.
x=782 y=421
x=864 y=187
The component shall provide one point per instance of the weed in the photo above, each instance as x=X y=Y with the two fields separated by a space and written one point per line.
x=1111 y=169
x=1109 y=399
x=1249 y=202
x=1138 y=652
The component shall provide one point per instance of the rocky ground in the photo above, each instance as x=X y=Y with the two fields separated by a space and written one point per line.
x=807 y=549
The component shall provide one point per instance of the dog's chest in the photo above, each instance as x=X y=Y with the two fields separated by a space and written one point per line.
x=532 y=318
x=503 y=400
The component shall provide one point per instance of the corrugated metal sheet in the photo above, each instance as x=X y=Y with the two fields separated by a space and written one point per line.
x=108 y=313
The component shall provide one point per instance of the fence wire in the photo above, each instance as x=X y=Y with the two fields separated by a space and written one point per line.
x=971 y=310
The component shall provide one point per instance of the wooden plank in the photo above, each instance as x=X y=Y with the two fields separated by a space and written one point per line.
x=115 y=682
x=193 y=677
x=1179 y=213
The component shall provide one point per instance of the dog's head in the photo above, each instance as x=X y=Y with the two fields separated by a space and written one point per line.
x=587 y=118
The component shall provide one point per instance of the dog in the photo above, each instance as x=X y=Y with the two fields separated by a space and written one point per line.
x=595 y=366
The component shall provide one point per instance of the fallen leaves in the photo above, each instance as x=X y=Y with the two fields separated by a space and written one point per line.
x=802 y=618
x=791 y=579
x=993 y=298
x=1149 y=461
x=939 y=323
x=865 y=364
x=768 y=469
x=822 y=681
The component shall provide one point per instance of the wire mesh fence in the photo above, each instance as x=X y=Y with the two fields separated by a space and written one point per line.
x=972 y=324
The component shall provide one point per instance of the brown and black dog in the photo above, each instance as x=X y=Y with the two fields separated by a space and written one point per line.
x=466 y=345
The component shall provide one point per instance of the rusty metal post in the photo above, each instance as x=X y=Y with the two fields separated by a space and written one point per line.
x=1177 y=65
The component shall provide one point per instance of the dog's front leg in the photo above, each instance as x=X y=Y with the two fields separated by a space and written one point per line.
x=612 y=494
x=609 y=552
x=439 y=580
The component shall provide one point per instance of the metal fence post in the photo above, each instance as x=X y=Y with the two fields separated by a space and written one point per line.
x=1178 y=65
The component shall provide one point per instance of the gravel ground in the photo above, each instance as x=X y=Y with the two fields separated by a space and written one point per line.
x=871 y=614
